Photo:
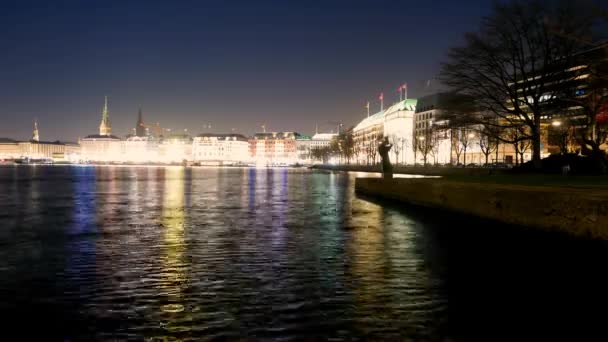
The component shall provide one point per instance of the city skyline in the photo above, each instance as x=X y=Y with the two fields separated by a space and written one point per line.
x=191 y=65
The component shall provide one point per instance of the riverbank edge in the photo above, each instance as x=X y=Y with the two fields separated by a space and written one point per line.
x=577 y=212
x=417 y=170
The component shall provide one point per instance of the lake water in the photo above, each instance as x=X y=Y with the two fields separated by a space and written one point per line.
x=164 y=254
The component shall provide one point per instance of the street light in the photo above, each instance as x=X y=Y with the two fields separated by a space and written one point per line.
x=556 y=123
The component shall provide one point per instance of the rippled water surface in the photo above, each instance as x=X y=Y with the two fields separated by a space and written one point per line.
x=116 y=253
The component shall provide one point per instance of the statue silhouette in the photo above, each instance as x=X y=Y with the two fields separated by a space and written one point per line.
x=383 y=148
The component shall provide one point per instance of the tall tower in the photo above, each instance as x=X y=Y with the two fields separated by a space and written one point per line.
x=140 y=129
x=104 y=128
x=35 y=134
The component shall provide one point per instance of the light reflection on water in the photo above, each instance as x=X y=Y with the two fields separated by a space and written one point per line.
x=200 y=253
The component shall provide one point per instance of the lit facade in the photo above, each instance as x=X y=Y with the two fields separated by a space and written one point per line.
x=303 y=144
x=101 y=148
x=9 y=149
x=430 y=129
x=366 y=135
x=220 y=149
x=176 y=148
x=138 y=149
x=395 y=123
x=447 y=145
x=399 y=129
x=55 y=151
x=274 y=148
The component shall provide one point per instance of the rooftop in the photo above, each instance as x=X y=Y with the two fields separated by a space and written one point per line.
x=223 y=136
x=99 y=136
x=324 y=136
x=377 y=118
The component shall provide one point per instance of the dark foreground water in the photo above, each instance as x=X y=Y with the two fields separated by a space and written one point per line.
x=165 y=254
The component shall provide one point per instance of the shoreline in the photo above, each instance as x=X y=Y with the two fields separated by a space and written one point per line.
x=418 y=170
x=581 y=212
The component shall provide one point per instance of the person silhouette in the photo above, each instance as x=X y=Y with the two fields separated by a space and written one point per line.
x=383 y=148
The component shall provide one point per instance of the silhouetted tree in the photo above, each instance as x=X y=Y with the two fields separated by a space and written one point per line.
x=588 y=100
x=513 y=66
x=487 y=142
x=426 y=143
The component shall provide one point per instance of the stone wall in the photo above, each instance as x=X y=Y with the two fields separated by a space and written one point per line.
x=580 y=212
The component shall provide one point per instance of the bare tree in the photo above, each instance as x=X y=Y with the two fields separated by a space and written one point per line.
x=404 y=146
x=394 y=140
x=427 y=143
x=456 y=146
x=520 y=141
x=487 y=142
x=465 y=136
x=513 y=66
x=523 y=147
x=589 y=101
x=415 y=150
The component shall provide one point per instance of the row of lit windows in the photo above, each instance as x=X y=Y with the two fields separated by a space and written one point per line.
x=424 y=116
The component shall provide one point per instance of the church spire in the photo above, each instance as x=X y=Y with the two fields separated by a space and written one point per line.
x=140 y=129
x=104 y=128
x=35 y=134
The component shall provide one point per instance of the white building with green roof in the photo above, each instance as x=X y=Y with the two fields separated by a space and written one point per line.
x=395 y=122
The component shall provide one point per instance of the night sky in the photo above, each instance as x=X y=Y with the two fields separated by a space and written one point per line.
x=231 y=64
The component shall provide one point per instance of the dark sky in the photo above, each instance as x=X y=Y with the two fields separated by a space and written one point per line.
x=231 y=64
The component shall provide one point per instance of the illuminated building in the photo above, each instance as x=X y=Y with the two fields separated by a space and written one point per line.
x=429 y=123
x=366 y=135
x=274 y=148
x=303 y=143
x=9 y=149
x=321 y=140
x=39 y=150
x=102 y=147
x=220 y=149
x=432 y=126
x=581 y=77
x=395 y=123
x=176 y=148
x=398 y=127
x=140 y=149
x=49 y=150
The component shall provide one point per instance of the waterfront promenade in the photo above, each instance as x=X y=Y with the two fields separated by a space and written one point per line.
x=574 y=205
